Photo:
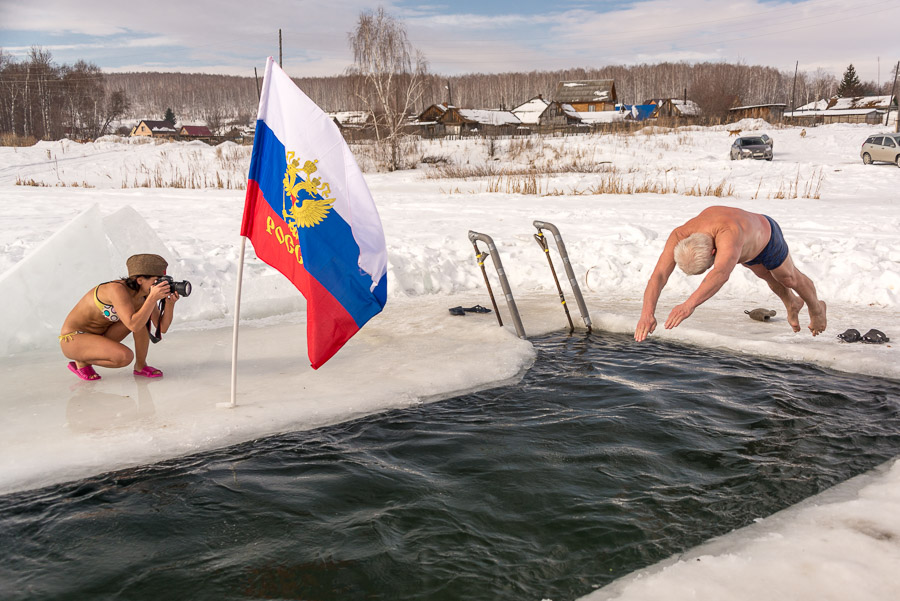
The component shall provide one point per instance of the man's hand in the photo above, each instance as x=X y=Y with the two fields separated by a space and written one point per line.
x=679 y=314
x=645 y=326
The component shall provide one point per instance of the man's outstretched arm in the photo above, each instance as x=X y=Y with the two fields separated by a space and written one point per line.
x=664 y=268
x=728 y=251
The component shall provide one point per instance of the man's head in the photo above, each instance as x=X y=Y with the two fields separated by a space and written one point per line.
x=694 y=254
x=146 y=265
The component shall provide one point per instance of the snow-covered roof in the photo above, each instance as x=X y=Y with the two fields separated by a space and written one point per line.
x=799 y=113
x=687 y=108
x=600 y=116
x=350 y=117
x=590 y=90
x=490 y=116
x=530 y=112
x=860 y=102
x=818 y=105
x=159 y=126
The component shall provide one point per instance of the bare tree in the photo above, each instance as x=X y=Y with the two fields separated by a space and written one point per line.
x=215 y=119
x=392 y=74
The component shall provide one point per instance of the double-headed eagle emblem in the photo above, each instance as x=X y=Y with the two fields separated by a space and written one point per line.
x=309 y=202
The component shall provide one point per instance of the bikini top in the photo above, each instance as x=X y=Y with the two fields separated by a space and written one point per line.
x=109 y=312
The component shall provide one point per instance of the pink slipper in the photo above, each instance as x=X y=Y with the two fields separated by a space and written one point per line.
x=85 y=373
x=148 y=372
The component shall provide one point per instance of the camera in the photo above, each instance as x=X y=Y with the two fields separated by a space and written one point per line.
x=182 y=288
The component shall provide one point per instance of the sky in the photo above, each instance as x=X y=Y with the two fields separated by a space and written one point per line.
x=459 y=37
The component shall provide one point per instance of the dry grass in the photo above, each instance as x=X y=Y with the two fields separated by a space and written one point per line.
x=15 y=140
x=37 y=184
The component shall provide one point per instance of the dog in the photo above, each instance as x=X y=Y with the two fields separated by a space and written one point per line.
x=735 y=132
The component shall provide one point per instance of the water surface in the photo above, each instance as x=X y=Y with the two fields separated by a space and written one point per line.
x=607 y=457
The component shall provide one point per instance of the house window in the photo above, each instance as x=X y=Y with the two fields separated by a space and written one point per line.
x=592 y=108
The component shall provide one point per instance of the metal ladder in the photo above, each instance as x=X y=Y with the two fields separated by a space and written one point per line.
x=480 y=256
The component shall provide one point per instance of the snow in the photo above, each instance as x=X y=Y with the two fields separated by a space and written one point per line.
x=530 y=112
x=89 y=206
x=859 y=102
x=600 y=116
x=490 y=116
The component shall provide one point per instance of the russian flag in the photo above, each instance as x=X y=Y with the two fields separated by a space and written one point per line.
x=310 y=215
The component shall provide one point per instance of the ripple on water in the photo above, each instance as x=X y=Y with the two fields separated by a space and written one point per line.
x=608 y=456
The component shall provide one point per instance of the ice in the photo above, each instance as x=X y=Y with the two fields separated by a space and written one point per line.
x=72 y=230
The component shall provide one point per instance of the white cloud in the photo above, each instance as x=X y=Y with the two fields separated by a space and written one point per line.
x=229 y=35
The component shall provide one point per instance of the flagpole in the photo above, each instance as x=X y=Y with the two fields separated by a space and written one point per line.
x=237 y=316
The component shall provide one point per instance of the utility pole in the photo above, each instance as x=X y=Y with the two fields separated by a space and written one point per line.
x=449 y=94
x=794 y=88
x=894 y=101
x=280 y=62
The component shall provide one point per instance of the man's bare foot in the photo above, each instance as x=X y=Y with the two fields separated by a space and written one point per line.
x=817 y=321
x=793 y=313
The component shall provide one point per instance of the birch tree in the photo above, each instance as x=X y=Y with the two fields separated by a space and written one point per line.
x=392 y=74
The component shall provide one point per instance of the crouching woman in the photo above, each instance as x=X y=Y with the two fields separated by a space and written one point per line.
x=93 y=331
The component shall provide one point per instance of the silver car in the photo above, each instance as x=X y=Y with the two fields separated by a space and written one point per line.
x=752 y=147
x=881 y=147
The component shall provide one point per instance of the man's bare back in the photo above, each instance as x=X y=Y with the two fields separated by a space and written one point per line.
x=738 y=236
x=748 y=231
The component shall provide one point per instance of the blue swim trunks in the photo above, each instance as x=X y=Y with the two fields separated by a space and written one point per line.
x=775 y=252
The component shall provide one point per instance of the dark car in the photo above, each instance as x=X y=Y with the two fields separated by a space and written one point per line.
x=881 y=147
x=752 y=147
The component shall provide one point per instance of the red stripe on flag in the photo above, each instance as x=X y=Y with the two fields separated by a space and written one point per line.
x=328 y=324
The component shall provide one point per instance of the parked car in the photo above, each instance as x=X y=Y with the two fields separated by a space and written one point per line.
x=752 y=147
x=881 y=147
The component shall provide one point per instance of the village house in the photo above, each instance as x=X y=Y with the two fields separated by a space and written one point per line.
x=542 y=115
x=429 y=120
x=458 y=121
x=154 y=129
x=772 y=113
x=443 y=119
x=588 y=96
x=195 y=132
x=859 y=109
x=673 y=107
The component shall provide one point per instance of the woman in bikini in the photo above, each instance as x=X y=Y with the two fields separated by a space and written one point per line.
x=93 y=331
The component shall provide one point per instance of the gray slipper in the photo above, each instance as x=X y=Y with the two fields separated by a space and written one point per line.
x=761 y=314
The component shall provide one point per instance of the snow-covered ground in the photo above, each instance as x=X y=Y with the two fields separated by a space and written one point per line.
x=85 y=208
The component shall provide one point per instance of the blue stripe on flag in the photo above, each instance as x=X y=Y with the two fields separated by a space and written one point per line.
x=330 y=253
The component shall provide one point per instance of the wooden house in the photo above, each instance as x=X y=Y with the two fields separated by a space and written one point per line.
x=195 y=132
x=457 y=121
x=773 y=113
x=154 y=129
x=859 y=109
x=673 y=107
x=542 y=115
x=588 y=96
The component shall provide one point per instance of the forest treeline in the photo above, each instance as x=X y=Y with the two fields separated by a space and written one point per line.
x=714 y=86
x=40 y=99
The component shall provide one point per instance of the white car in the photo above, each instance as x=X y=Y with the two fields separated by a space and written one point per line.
x=881 y=147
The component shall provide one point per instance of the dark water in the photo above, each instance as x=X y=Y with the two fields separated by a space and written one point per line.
x=607 y=457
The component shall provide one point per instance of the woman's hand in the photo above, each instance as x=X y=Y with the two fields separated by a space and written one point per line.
x=159 y=291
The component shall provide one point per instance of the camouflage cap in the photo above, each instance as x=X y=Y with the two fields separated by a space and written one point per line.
x=146 y=265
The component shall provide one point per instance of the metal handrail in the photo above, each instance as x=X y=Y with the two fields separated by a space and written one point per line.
x=474 y=237
x=561 y=246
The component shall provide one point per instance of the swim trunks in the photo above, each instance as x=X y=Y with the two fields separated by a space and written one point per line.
x=775 y=252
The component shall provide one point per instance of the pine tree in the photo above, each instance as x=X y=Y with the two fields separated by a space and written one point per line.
x=849 y=85
x=170 y=115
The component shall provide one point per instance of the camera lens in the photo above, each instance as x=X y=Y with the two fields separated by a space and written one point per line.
x=183 y=288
